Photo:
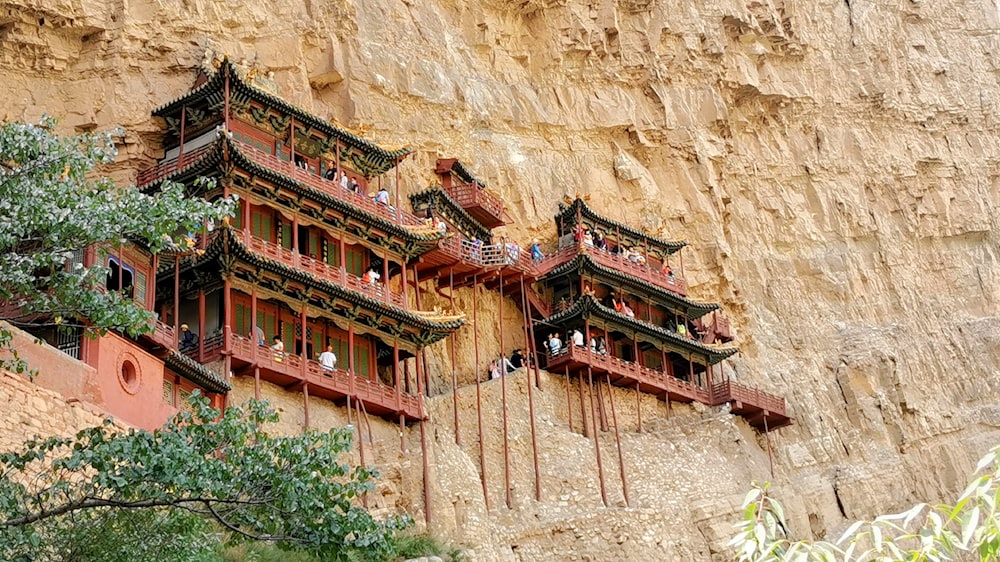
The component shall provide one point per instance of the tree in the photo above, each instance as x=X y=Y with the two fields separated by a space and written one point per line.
x=127 y=492
x=51 y=209
x=966 y=530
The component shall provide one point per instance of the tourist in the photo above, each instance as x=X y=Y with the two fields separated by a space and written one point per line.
x=494 y=369
x=593 y=344
x=441 y=226
x=578 y=234
x=328 y=359
x=382 y=196
x=600 y=242
x=189 y=339
x=602 y=346
x=508 y=367
x=330 y=174
x=681 y=329
x=577 y=338
x=627 y=310
x=555 y=344
x=517 y=359
x=619 y=305
x=344 y=180
x=633 y=255
x=355 y=186
x=666 y=270
x=278 y=347
x=258 y=336
x=371 y=276
x=588 y=239
x=536 y=251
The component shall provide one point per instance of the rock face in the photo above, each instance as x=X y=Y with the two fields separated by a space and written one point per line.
x=834 y=165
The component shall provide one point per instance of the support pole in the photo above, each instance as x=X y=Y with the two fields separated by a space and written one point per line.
x=256 y=379
x=479 y=396
x=600 y=408
x=569 y=401
x=531 y=399
x=423 y=446
x=503 y=400
x=583 y=410
x=305 y=403
x=638 y=407
x=402 y=433
x=618 y=443
x=451 y=341
x=597 y=440
x=767 y=438
x=361 y=448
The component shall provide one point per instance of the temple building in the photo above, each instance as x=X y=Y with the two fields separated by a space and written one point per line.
x=618 y=310
x=309 y=262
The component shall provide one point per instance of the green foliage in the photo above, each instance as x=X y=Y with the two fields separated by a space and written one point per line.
x=289 y=490
x=967 y=530
x=51 y=209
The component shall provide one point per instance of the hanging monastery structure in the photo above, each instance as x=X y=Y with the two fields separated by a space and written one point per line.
x=310 y=261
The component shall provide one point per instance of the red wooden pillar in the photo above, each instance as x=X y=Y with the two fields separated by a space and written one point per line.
x=451 y=344
x=305 y=403
x=226 y=98
x=201 y=325
x=150 y=303
x=180 y=148
x=479 y=396
x=177 y=300
x=227 y=314
x=304 y=341
x=503 y=400
x=350 y=357
x=385 y=278
x=253 y=323
x=531 y=397
x=295 y=234
x=597 y=444
x=291 y=141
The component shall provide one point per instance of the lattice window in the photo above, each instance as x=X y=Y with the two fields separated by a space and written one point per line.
x=140 y=288
x=168 y=392
x=184 y=405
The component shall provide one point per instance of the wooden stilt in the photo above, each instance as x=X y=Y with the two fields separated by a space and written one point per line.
x=597 y=439
x=569 y=401
x=618 y=443
x=638 y=407
x=583 y=408
x=305 y=405
x=600 y=409
x=454 y=367
x=361 y=447
x=256 y=382
x=531 y=400
x=479 y=395
x=402 y=434
x=503 y=401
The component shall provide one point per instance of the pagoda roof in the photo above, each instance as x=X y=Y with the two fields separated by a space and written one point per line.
x=195 y=372
x=376 y=159
x=214 y=156
x=584 y=262
x=461 y=218
x=589 y=307
x=567 y=214
x=430 y=330
x=455 y=166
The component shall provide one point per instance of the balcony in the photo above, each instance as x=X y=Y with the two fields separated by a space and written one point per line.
x=163 y=335
x=763 y=410
x=484 y=206
x=466 y=257
x=321 y=270
x=628 y=374
x=166 y=168
x=328 y=187
x=290 y=370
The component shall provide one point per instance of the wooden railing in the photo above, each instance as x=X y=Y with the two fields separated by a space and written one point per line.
x=471 y=195
x=321 y=270
x=164 y=336
x=329 y=187
x=164 y=169
x=644 y=375
x=339 y=381
x=728 y=391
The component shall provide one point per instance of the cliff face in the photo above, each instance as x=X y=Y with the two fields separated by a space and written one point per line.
x=834 y=165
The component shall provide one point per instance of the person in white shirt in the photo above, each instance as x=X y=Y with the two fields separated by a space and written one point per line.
x=577 y=338
x=328 y=360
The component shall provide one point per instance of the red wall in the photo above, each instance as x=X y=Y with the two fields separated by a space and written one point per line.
x=136 y=398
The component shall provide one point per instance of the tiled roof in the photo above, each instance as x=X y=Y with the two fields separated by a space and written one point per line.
x=196 y=372
x=567 y=214
x=588 y=306
x=378 y=159
x=692 y=309
x=437 y=196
